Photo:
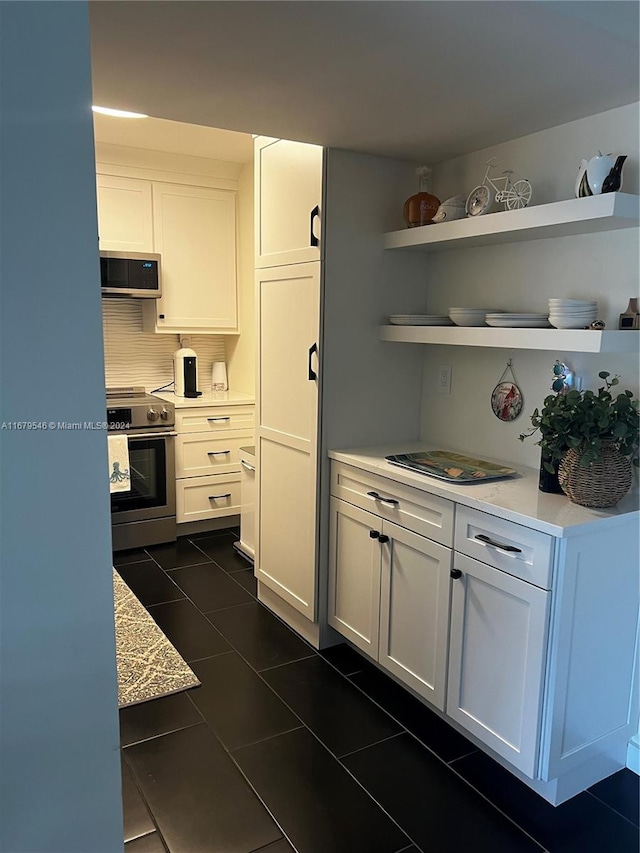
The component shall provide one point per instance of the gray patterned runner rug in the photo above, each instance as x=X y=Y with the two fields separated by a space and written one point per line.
x=148 y=664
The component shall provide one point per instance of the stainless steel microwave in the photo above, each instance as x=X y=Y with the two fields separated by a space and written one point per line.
x=130 y=274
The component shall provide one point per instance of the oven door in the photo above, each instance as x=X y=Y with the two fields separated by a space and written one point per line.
x=153 y=485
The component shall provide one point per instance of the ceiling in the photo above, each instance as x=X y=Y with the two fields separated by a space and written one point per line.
x=174 y=137
x=421 y=80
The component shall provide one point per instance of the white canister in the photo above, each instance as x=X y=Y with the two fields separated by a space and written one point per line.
x=219 y=376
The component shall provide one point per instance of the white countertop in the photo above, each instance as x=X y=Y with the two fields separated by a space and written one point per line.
x=208 y=398
x=516 y=499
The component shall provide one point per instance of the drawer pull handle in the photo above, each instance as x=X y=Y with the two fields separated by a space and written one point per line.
x=383 y=539
x=218 y=452
x=247 y=466
x=219 y=497
x=456 y=574
x=374 y=534
x=377 y=497
x=511 y=549
x=219 y=419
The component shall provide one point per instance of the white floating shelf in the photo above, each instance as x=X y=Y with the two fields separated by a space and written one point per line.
x=560 y=340
x=559 y=219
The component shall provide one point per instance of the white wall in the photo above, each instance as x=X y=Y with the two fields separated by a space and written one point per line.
x=521 y=277
x=60 y=773
x=135 y=357
x=241 y=350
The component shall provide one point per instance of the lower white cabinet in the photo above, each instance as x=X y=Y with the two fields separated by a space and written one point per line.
x=208 y=461
x=498 y=640
x=389 y=594
x=523 y=639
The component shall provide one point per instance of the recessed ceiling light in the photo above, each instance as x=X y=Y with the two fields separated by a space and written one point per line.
x=107 y=111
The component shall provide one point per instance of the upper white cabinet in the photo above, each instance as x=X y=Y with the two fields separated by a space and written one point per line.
x=125 y=214
x=193 y=228
x=195 y=233
x=288 y=192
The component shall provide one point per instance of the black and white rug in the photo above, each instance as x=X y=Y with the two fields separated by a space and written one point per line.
x=149 y=666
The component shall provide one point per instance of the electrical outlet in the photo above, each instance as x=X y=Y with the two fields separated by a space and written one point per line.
x=443 y=381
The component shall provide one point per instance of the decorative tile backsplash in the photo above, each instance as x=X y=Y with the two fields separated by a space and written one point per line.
x=135 y=357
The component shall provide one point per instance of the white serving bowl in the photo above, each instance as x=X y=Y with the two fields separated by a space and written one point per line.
x=569 y=323
x=468 y=319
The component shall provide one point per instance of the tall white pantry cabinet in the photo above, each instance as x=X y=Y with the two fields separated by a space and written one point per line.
x=321 y=290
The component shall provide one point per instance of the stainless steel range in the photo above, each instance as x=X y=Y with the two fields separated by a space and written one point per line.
x=146 y=513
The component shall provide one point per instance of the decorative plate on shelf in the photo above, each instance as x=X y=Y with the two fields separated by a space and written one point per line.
x=419 y=320
x=454 y=467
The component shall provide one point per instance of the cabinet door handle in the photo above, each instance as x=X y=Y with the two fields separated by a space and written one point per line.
x=377 y=497
x=511 y=549
x=455 y=574
x=383 y=539
x=218 y=452
x=374 y=534
x=219 y=419
x=312 y=374
x=247 y=466
x=219 y=497
x=313 y=240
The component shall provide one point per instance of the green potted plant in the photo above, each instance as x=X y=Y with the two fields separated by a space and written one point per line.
x=592 y=439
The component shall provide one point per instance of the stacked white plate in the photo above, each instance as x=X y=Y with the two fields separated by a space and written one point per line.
x=572 y=313
x=518 y=321
x=469 y=316
x=419 y=320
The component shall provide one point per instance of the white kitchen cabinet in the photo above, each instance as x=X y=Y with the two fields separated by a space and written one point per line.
x=247 y=543
x=329 y=296
x=389 y=595
x=498 y=641
x=125 y=214
x=288 y=192
x=193 y=228
x=208 y=461
x=354 y=575
x=414 y=611
x=542 y=623
x=288 y=305
x=195 y=234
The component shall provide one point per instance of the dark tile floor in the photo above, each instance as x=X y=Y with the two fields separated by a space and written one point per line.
x=283 y=748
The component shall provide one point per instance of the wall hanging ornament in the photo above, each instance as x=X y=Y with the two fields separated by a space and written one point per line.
x=506 y=397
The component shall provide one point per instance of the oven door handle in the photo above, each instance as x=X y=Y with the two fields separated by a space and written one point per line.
x=150 y=434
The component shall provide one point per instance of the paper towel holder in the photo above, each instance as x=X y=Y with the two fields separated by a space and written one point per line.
x=219 y=376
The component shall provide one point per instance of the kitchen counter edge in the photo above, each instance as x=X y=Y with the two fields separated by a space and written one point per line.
x=208 y=398
x=516 y=499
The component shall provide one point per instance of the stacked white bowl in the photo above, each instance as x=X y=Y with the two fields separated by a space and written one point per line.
x=469 y=316
x=572 y=313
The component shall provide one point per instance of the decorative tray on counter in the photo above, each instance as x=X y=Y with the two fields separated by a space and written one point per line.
x=453 y=467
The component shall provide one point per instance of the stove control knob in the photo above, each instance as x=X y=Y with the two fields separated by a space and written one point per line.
x=164 y=414
x=153 y=415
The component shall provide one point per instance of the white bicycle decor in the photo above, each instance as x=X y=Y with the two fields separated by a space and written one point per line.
x=513 y=195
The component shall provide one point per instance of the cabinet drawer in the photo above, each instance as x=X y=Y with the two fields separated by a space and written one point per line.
x=208 y=497
x=199 y=454
x=411 y=508
x=528 y=554
x=213 y=418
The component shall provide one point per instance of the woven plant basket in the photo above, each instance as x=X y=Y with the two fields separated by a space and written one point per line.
x=601 y=483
